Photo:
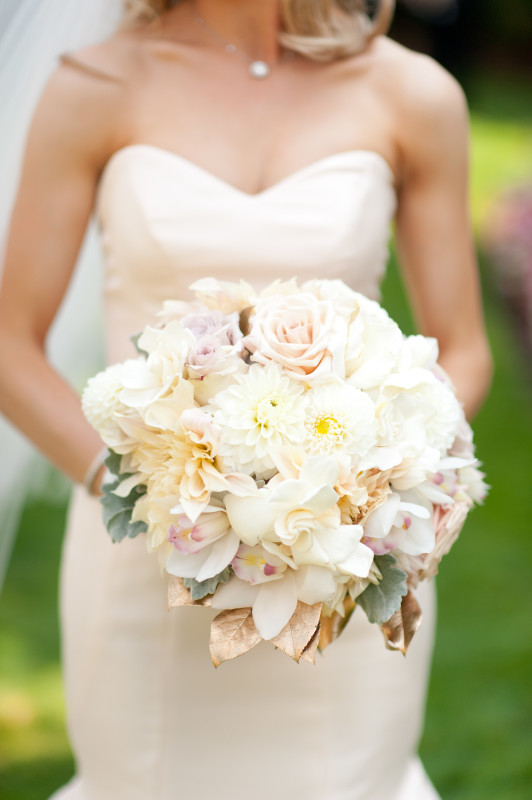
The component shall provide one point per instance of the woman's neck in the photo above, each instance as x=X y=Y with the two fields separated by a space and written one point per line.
x=252 y=26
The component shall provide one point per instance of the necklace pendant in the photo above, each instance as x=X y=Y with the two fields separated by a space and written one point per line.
x=259 y=69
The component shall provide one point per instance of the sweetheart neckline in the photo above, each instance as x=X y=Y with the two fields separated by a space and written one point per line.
x=357 y=152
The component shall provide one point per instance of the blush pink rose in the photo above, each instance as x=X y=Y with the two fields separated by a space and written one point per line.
x=301 y=333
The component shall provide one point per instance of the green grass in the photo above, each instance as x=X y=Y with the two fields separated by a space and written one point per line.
x=478 y=737
x=34 y=753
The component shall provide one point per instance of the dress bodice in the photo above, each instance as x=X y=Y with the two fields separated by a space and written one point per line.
x=165 y=222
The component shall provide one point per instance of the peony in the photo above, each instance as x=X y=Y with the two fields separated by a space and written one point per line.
x=302 y=334
x=262 y=411
x=374 y=342
x=423 y=406
x=417 y=351
x=336 y=292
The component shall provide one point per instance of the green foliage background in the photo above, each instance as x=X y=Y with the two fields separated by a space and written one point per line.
x=478 y=736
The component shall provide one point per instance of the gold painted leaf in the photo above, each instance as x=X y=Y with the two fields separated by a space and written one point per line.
x=233 y=633
x=309 y=653
x=179 y=595
x=332 y=627
x=299 y=630
x=401 y=627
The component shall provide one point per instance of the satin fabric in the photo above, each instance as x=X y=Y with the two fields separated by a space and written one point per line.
x=149 y=716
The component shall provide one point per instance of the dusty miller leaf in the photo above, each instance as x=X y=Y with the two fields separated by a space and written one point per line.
x=382 y=600
x=117 y=511
x=179 y=595
x=112 y=462
x=200 y=589
x=135 y=339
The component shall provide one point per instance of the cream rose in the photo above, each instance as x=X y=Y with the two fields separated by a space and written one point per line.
x=301 y=333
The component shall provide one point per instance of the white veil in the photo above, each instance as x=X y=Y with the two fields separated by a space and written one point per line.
x=32 y=35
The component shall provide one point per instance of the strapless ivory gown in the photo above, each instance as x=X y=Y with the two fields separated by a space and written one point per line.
x=149 y=716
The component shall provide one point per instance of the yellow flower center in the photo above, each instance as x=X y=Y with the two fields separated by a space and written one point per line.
x=252 y=560
x=268 y=409
x=328 y=426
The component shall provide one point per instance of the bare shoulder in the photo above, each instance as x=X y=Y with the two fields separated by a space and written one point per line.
x=83 y=109
x=414 y=82
x=427 y=105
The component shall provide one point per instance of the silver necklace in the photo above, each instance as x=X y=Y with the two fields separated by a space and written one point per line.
x=257 y=68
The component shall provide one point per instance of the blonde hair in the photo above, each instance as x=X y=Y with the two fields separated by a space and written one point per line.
x=322 y=30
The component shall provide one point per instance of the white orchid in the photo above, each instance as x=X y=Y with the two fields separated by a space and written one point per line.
x=202 y=548
x=404 y=522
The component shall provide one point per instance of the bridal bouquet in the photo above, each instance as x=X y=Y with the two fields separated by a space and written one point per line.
x=290 y=455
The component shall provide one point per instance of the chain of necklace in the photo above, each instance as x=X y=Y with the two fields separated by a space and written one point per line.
x=257 y=68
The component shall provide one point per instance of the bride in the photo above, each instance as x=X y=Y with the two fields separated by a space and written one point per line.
x=243 y=139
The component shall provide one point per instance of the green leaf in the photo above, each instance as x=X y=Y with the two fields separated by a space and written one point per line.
x=200 y=589
x=135 y=339
x=117 y=511
x=382 y=600
x=112 y=462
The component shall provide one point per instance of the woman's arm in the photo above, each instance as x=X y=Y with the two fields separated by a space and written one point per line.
x=70 y=139
x=434 y=236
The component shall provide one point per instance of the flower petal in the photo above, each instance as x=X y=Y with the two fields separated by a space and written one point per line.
x=250 y=517
x=276 y=602
x=221 y=554
x=359 y=562
x=314 y=584
x=380 y=521
x=184 y=565
x=234 y=594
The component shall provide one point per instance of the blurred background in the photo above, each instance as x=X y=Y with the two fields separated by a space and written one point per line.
x=478 y=737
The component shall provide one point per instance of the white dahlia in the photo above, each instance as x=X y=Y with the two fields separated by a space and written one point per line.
x=262 y=411
x=103 y=406
x=340 y=418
